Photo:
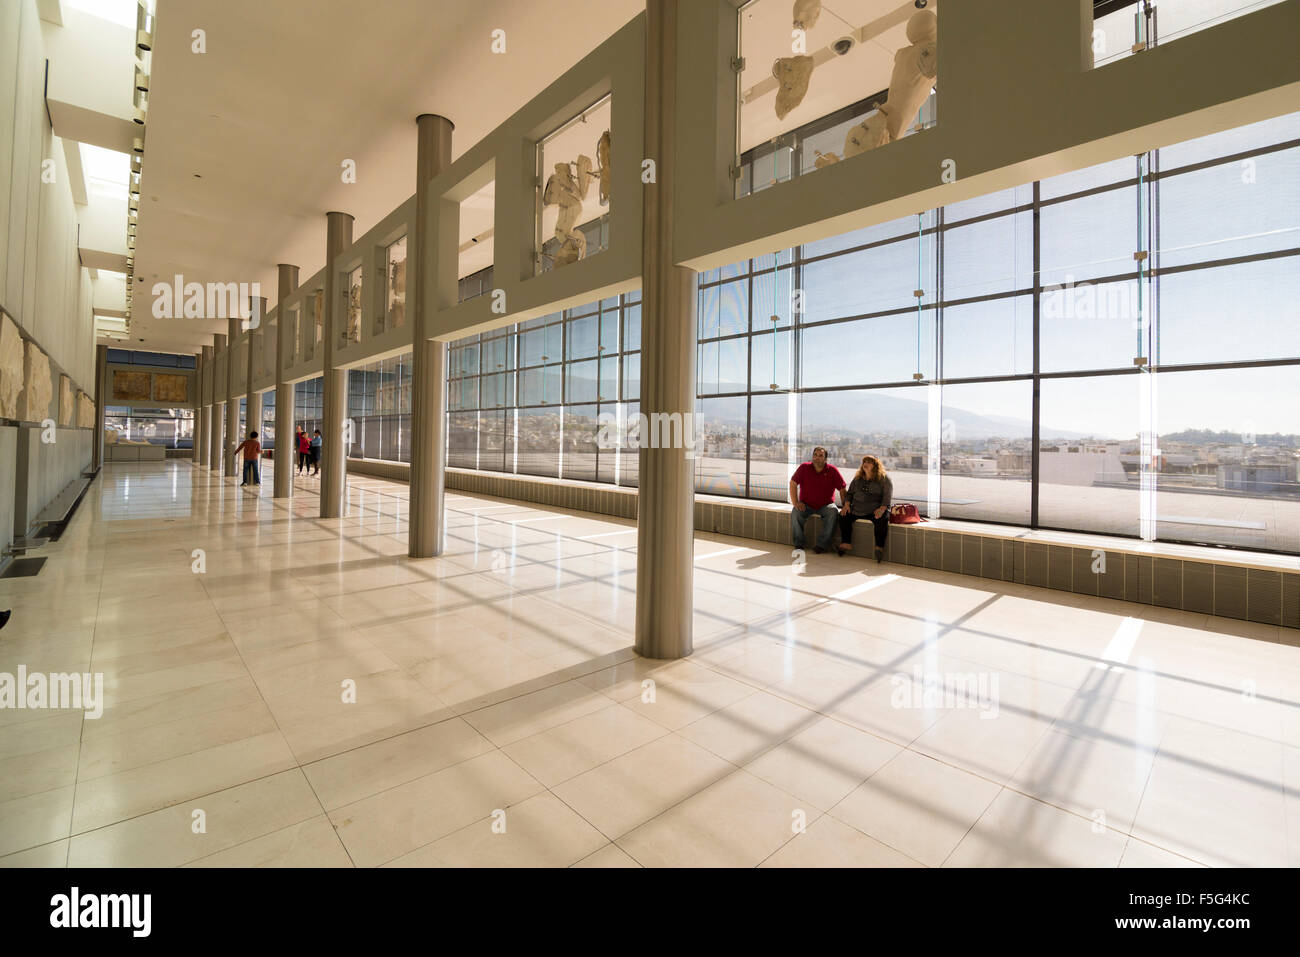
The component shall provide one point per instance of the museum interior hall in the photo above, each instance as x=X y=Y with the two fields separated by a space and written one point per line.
x=650 y=433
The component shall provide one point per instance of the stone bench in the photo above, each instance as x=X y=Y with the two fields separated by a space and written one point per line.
x=1252 y=586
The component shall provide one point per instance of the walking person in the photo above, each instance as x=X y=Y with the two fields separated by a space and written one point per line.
x=303 y=441
x=316 y=443
x=870 y=495
x=252 y=450
x=812 y=492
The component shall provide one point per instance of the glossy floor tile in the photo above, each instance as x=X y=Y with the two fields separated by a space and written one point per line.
x=283 y=690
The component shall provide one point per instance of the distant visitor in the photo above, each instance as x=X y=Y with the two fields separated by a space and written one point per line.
x=252 y=450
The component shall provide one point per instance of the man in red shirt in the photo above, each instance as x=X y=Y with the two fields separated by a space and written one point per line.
x=812 y=492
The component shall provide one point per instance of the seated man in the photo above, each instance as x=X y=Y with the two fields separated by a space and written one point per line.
x=812 y=492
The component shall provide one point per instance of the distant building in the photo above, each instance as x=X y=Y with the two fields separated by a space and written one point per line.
x=1081 y=465
x=1259 y=478
x=1010 y=462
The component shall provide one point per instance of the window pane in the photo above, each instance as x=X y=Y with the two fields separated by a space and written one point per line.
x=632 y=328
x=1228 y=457
x=772 y=295
x=724 y=309
x=1091 y=325
x=866 y=351
x=770 y=362
x=632 y=376
x=996 y=255
x=1089 y=237
x=1089 y=454
x=583 y=381
x=993 y=337
x=720 y=448
x=985 y=435
x=1225 y=211
x=722 y=366
x=584 y=337
x=462 y=440
x=496 y=440
x=873 y=280
x=581 y=426
x=539 y=442
x=1226 y=313
x=770 y=436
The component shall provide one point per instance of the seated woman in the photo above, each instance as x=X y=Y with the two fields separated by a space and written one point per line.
x=869 y=496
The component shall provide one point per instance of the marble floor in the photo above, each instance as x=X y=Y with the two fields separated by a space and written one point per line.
x=284 y=690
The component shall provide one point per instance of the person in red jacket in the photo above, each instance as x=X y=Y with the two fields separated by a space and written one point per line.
x=812 y=492
x=304 y=449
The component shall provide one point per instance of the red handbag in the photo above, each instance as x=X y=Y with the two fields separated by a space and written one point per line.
x=905 y=514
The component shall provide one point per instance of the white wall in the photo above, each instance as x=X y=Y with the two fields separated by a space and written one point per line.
x=49 y=467
x=42 y=284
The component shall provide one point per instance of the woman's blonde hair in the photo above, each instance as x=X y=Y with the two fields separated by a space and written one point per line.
x=880 y=475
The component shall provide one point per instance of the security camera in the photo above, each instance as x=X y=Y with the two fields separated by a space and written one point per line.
x=920 y=4
x=842 y=46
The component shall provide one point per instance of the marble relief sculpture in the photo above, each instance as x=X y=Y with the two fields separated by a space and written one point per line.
x=85 y=411
x=38 y=388
x=354 y=311
x=606 y=171
x=397 y=282
x=916 y=67
x=568 y=192
x=171 y=388
x=11 y=367
x=67 y=411
x=567 y=187
x=318 y=312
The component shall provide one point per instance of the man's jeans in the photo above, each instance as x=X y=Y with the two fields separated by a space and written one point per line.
x=798 y=519
x=250 y=467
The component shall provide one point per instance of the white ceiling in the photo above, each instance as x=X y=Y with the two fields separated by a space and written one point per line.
x=287 y=91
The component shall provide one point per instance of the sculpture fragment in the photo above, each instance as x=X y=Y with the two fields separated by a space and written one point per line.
x=38 y=387
x=67 y=411
x=11 y=367
x=85 y=411
x=916 y=67
x=793 y=74
x=354 y=312
x=606 y=171
x=806 y=13
x=568 y=191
